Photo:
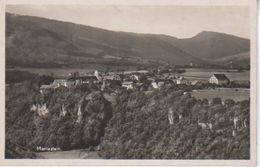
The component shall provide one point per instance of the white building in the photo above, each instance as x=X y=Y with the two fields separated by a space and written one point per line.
x=46 y=88
x=134 y=77
x=112 y=77
x=128 y=85
x=154 y=85
x=182 y=80
x=219 y=79
x=96 y=74
x=157 y=85
x=59 y=82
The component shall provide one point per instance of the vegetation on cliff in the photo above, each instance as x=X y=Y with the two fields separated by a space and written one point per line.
x=159 y=124
x=74 y=118
x=140 y=128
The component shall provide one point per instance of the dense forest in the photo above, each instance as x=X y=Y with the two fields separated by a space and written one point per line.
x=160 y=124
x=53 y=127
x=140 y=128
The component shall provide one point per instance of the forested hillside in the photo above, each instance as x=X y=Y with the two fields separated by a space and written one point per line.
x=165 y=124
x=211 y=46
x=72 y=119
x=140 y=128
x=39 y=42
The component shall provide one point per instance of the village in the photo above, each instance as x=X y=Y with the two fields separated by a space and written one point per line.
x=142 y=80
x=129 y=81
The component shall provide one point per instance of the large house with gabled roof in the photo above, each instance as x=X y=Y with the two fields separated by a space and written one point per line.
x=219 y=79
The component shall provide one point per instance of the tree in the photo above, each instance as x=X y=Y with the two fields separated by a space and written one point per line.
x=216 y=101
x=229 y=103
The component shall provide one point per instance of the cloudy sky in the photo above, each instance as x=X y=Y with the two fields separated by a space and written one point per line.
x=177 y=21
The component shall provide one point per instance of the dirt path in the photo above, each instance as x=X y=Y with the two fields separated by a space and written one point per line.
x=72 y=154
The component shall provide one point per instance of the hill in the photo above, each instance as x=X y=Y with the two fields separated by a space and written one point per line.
x=39 y=42
x=165 y=124
x=239 y=60
x=211 y=46
x=33 y=41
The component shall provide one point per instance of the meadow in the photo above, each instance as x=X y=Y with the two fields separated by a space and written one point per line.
x=205 y=74
x=66 y=71
x=224 y=93
x=54 y=71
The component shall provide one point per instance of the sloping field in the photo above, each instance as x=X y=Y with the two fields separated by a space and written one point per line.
x=242 y=59
x=205 y=74
x=223 y=93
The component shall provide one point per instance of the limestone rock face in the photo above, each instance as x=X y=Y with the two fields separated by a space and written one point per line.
x=41 y=109
x=63 y=110
x=170 y=117
x=79 y=114
x=94 y=113
x=66 y=119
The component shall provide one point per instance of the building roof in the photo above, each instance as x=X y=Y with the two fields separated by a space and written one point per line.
x=194 y=82
x=221 y=76
x=139 y=84
x=84 y=78
x=136 y=72
x=127 y=82
x=47 y=86
x=182 y=78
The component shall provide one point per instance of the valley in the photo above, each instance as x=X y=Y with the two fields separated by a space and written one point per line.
x=92 y=93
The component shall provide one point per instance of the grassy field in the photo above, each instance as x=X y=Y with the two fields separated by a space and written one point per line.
x=54 y=71
x=204 y=74
x=223 y=93
x=66 y=71
x=191 y=73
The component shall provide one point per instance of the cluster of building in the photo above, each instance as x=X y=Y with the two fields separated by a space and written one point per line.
x=130 y=80
x=73 y=79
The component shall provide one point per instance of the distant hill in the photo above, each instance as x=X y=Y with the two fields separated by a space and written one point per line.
x=39 y=42
x=238 y=60
x=33 y=41
x=211 y=46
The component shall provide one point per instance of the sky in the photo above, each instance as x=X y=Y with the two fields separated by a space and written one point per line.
x=177 y=21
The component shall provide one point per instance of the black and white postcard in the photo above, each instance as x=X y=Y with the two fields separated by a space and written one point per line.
x=128 y=82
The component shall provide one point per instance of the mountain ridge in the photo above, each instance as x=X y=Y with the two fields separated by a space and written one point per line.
x=45 y=41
